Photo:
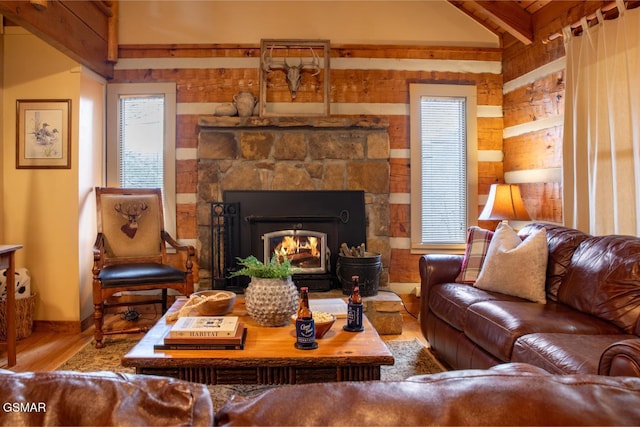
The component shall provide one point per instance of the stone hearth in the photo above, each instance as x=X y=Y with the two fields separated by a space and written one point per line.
x=295 y=153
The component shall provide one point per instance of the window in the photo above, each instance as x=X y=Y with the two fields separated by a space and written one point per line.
x=443 y=165
x=141 y=123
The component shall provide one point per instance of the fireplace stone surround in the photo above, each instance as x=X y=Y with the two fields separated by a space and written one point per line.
x=294 y=153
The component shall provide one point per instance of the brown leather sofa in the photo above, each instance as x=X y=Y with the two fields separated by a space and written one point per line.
x=589 y=325
x=513 y=394
x=508 y=394
x=101 y=398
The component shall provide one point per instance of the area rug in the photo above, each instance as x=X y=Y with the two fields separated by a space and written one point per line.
x=411 y=358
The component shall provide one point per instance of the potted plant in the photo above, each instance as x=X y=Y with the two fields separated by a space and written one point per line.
x=271 y=297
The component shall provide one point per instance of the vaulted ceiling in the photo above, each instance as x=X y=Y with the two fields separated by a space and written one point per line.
x=513 y=17
x=523 y=18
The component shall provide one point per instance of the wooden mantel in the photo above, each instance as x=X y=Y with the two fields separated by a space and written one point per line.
x=293 y=122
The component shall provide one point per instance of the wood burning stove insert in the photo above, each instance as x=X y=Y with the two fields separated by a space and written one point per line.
x=305 y=226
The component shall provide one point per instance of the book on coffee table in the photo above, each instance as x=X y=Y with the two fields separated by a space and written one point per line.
x=209 y=343
x=204 y=327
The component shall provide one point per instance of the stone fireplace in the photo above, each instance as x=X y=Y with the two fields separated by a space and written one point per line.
x=280 y=155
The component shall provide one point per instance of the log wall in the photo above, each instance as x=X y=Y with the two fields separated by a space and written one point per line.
x=365 y=81
x=534 y=92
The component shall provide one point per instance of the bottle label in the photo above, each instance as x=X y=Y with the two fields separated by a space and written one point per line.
x=305 y=332
x=354 y=316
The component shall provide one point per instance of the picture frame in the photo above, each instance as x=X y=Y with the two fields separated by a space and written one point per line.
x=43 y=137
x=309 y=60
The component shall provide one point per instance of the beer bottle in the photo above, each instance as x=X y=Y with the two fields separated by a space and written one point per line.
x=305 y=327
x=354 y=308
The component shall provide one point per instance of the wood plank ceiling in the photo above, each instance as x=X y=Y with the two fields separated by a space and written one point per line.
x=513 y=17
x=521 y=19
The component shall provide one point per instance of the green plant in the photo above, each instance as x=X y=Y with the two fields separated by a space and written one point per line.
x=272 y=269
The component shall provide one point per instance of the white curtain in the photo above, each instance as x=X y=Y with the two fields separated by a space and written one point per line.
x=601 y=146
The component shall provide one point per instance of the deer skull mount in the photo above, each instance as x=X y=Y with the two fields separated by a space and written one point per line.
x=132 y=211
x=294 y=72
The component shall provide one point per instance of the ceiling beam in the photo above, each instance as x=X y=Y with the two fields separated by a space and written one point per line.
x=76 y=28
x=514 y=19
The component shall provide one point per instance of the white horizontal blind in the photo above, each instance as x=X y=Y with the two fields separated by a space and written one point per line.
x=140 y=159
x=443 y=169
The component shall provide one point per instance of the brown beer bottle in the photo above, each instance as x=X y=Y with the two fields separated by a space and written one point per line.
x=305 y=327
x=354 y=308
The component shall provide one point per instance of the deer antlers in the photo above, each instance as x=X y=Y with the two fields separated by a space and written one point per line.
x=293 y=71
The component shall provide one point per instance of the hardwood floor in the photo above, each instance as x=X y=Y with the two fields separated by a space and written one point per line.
x=46 y=351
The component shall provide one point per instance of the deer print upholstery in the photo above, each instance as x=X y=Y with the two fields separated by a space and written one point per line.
x=130 y=252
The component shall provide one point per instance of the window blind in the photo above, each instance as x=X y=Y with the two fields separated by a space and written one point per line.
x=141 y=142
x=443 y=169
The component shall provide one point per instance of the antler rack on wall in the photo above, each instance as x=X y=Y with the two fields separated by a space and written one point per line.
x=274 y=58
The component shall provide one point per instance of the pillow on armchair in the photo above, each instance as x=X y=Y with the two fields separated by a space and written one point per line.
x=516 y=267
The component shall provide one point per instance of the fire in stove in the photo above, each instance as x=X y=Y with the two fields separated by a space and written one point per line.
x=305 y=249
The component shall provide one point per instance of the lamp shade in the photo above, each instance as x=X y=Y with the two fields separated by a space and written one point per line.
x=504 y=203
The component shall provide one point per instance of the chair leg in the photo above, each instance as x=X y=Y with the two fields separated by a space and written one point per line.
x=164 y=301
x=98 y=320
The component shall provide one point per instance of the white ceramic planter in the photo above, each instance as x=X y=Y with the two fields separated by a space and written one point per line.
x=271 y=302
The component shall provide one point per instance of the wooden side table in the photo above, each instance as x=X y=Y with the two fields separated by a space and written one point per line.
x=7 y=260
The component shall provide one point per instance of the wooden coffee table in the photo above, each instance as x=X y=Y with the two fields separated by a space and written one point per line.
x=269 y=356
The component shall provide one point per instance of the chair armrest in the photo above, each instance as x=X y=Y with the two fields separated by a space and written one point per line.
x=188 y=251
x=191 y=251
x=621 y=359
x=98 y=248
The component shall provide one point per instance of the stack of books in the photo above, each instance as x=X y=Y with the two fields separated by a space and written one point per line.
x=205 y=333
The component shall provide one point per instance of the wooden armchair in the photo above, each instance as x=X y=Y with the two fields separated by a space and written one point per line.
x=130 y=252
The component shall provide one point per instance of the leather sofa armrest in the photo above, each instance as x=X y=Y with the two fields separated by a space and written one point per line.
x=435 y=268
x=621 y=359
x=438 y=268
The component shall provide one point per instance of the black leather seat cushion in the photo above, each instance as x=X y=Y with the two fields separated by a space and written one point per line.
x=139 y=274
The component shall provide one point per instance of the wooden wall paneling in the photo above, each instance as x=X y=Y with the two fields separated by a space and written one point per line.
x=541 y=99
x=400 y=220
x=403 y=267
x=416 y=52
x=490 y=131
x=399 y=135
x=534 y=150
x=489 y=173
x=201 y=50
x=187 y=131
x=489 y=87
x=543 y=201
x=186 y=176
x=186 y=221
x=400 y=178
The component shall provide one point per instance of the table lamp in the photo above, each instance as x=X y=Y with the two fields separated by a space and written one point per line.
x=504 y=203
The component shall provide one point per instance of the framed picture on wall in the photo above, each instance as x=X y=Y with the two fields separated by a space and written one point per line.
x=43 y=139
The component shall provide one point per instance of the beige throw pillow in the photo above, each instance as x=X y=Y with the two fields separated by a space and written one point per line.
x=516 y=267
